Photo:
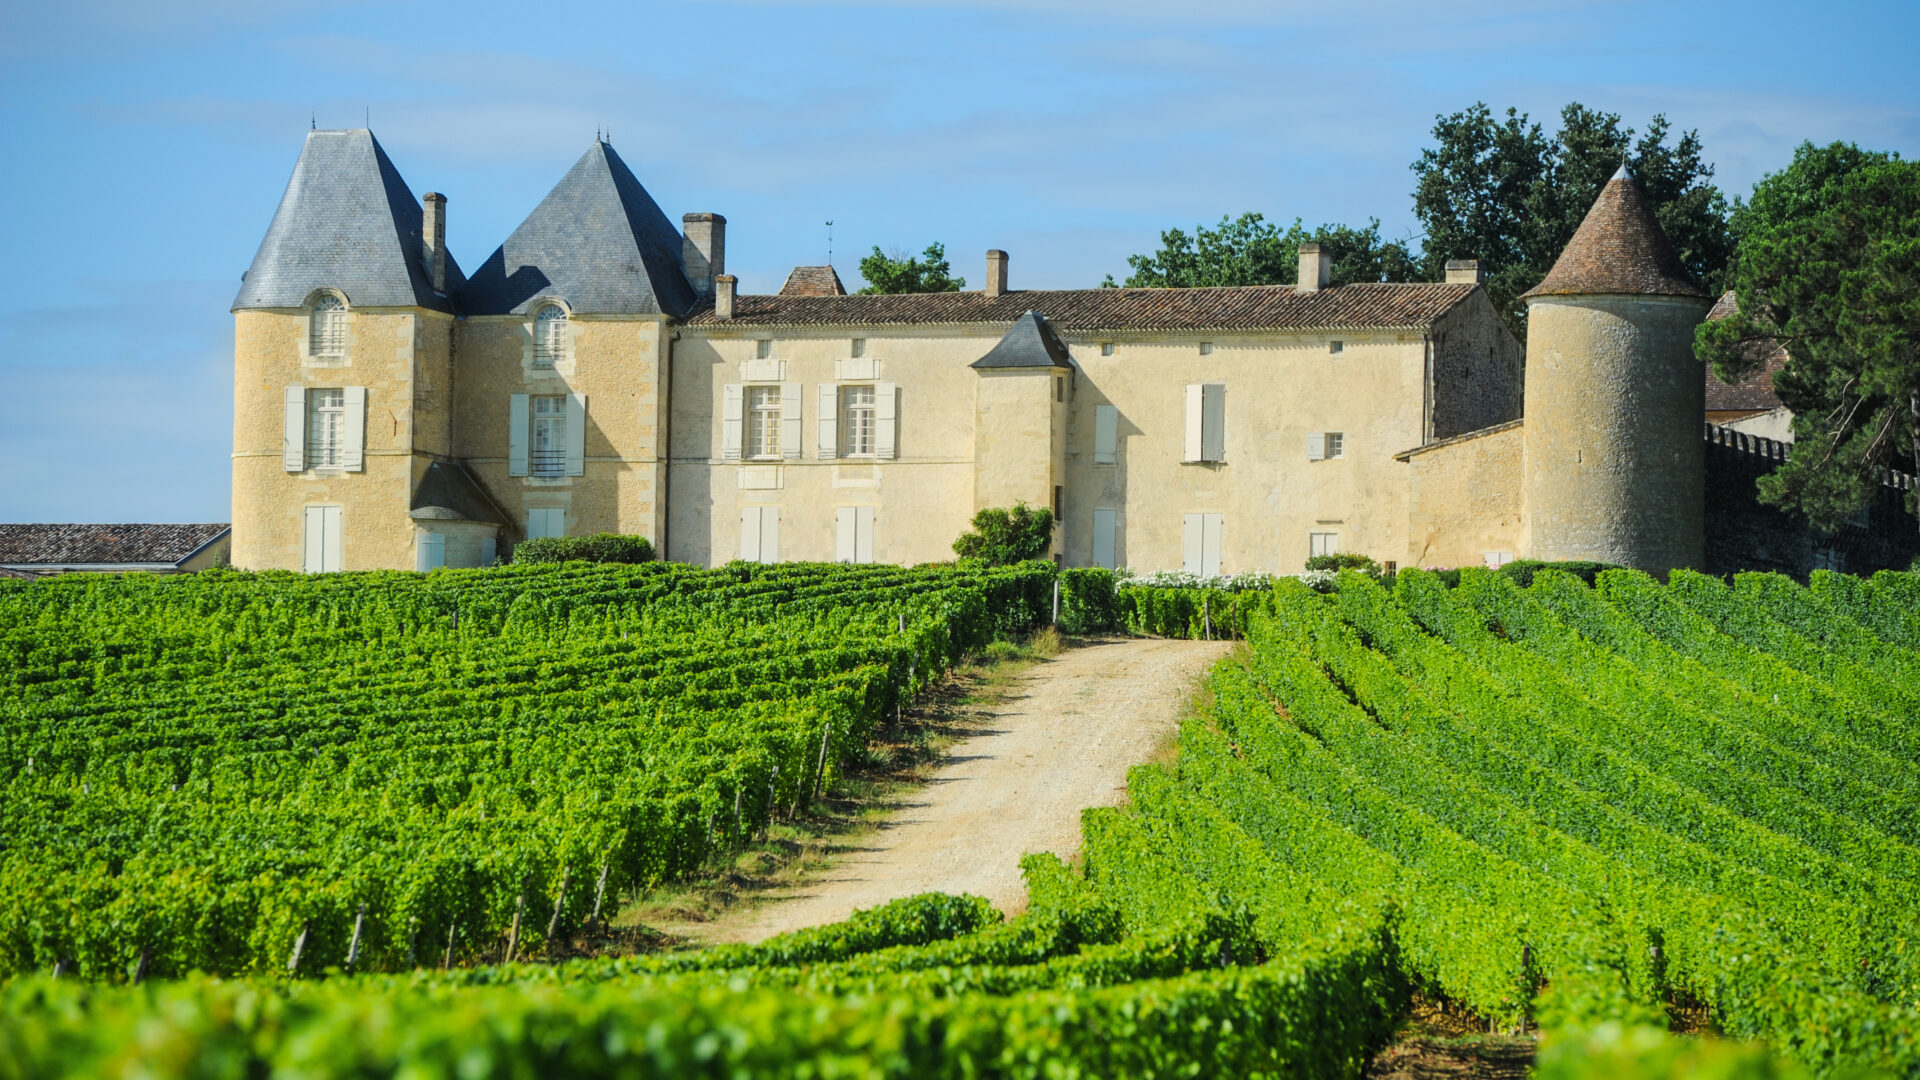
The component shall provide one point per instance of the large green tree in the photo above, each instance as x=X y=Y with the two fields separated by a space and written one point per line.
x=898 y=273
x=1250 y=250
x=1829 y=266
x=1499 y=190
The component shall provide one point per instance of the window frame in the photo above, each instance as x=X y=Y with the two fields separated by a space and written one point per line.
x=848 y=437
x=317 y=447
x=1315 y=545
x=549 y=353
x=327 y=322
x=1336 y=444
x=550 y=462
x=755 y=423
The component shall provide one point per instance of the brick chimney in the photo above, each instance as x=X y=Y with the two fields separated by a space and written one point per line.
x=1316 y=268
x=704 y=252
x=723 y=296
x=996 y=273
x=1464 y=272
x=433 y=238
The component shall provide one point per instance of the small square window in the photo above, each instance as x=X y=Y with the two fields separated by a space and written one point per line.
x=1206 y=348
x=1336 y=346
x=1336 y=444
x=763 y=348
x=859 y=348
x=1106 y=348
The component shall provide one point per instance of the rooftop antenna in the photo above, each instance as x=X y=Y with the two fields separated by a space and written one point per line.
x=313 y=122
x=829 y=243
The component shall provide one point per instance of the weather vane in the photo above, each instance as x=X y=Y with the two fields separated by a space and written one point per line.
x=829 y=243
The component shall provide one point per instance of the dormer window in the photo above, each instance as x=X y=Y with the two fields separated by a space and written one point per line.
x=549 y=336
x=327 y=328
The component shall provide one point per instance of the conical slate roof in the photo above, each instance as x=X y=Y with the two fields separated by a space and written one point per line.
x=347 y=221
x=1619 y=250
x=448 y=492
x=597 y=241
x=1031 y=343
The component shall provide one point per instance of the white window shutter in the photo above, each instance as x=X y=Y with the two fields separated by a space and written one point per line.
x=293 y=437
x=518 y=422
x=1192 y=542
x=431 y=552
x=353 y=452
x=576 y=434
x=769 y=534
x=1196 y=423
x=845 y=540
x=330 y=547
x=790 y=420
x=829 y=421
x=1213 y=422
x=750 y=533
x=1103 y=545
x=313 y=543
x=1106 y=433
x=732 y=408
x=1317 y=446
x=863 y=534
x=1210 y=545
x=885 y=408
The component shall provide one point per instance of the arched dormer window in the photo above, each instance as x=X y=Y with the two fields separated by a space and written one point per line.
x=549 y=335
x=327 y=329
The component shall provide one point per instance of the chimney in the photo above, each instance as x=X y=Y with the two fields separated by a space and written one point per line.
x=723 y=296
x=996 y=273
x=1316 y=268
x=433 y=238
x=1464 y=272
x=704 y=253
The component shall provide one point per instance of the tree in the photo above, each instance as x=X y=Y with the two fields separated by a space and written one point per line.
x=1249 y=250
x=1500 y=191
x=1002 y=537
x=896 y=273
x=1829 y=266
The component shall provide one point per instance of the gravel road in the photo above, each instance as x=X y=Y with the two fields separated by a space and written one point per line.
x=1062 y=741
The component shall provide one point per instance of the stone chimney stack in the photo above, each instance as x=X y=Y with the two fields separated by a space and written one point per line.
x=1464 y=272
x=723 y=296
x=704 y=252
x=1316 y=268
x=996 y=273
x=433 y=238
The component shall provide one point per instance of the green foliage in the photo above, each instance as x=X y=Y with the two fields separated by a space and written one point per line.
x=1344 y=560
x=899 y=273
x=1249 y=250
x=1003 y=537
x=1523 y=570
x=599 y=548
x=1089 y=601
x=1829 y=266
x=1499 y=190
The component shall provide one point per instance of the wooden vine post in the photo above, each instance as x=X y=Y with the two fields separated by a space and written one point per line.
x=559 y=905
x=513 y=932
x=299 y=946
x=600 y=891
x=353 y=945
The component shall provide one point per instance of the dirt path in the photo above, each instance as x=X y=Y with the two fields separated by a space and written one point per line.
x=1061 y=741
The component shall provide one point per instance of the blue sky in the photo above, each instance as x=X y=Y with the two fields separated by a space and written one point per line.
x=147 y=144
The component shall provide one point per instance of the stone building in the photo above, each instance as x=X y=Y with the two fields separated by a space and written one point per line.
x=600 y=372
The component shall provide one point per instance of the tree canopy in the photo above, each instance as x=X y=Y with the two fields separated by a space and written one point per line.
x=898 y=273
x=1829 y=266
x=1002 y=537
x=1251 y=250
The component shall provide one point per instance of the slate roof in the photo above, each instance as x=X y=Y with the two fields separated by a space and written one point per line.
x=448 y=492
x=69 y=545
x=813 y=281
x=1256 y=307
x=1031 y=343
x=1756 y=390
x=347 y=221
x=598 y=241
x=1618 y=250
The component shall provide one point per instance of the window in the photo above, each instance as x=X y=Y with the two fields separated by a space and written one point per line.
x=1322 y=445
x=1336 y=444
x=322 y=548
x=763 y=348
x=857 y=426
x=545 y=523
x=1323 y=543
x=1200 y=545
x=1496 y=559
x=327 y=328
x=326 y=428
x=1106 y=348
x=853 y=534
x=1105 y=526
x=1059 y=388
x=760 y=533
x=763 y=421
x=1206 y=348
x=1106 y=434
x=549 y=456
x=859 y=347
x=1336 y=346
x=549 y=336
x=1206 y=422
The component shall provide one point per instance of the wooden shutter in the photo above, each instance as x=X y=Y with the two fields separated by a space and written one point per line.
x=1192 y=540
x=1196 y=423
x=769 y=534
x=432 y=552
x=1106 y=433
x=884 y=411
x=313 y=543
x=829 y=421
x=518 y=422
x=293 y=437
x=750 y=533
x=790 y=420
x=863 y=534
x=731 y=410
x=1210 y=545
x=576 y=434
x=1103 y=530
x=353 y=451
x=334 y=551
x=1213 y=422
x=845 y=534
x=1317 y=446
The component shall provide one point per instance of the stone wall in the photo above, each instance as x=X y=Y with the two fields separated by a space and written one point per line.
x=1745 y=534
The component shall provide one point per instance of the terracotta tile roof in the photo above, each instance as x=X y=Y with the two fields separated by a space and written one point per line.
x=813 y=281
x=1618 y=249
x=1756 y=390
x=68 y=545
x=1256 y=307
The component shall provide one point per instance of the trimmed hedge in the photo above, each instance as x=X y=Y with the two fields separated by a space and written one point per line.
x=599 y=548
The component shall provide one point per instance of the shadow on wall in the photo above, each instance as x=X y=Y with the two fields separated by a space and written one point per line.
x=1745 y=534
x=692 y=381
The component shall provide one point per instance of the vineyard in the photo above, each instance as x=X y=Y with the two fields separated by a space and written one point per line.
x=1602 y=812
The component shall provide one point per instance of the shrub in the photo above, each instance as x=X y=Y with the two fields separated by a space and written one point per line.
x=1002 y=537
x=1089 y=600
x=1341 y=560
x=601 y=548
x=1522 y=570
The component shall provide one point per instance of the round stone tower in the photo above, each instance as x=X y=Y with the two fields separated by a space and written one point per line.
x=1615 y=400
